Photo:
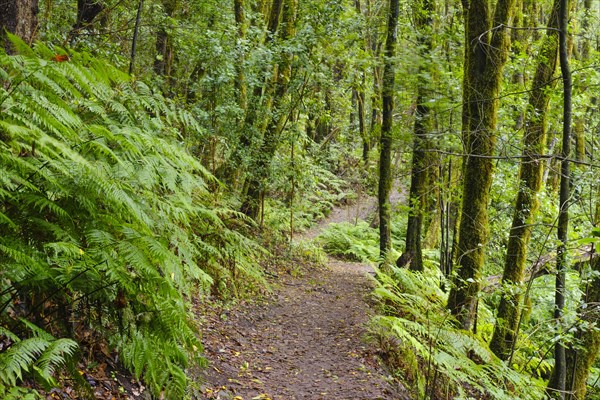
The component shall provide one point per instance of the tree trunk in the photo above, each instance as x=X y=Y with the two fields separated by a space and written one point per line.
x=412 y=254
x=163 y=62
x=18 y=17
x=136 y=29
x=385 y=157
x=486 y=51
x=87 y=11
x=376 y=117
x=366 y=146
x=360 y=98
x=581 y=359
x=240 y=82
x=261 y=162
x=557 y=384
x=530 y=184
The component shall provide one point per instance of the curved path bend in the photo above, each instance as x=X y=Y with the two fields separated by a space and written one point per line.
x=306 y=342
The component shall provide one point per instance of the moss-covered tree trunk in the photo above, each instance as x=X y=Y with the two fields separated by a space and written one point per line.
x=485 y=55
x=581 y=358
x=261 y=162
x=556 y=386
x=18 y=17
x=412 y=255
x=385 y=155
x=530 y=184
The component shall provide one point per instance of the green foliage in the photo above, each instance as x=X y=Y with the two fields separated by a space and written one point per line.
x=38 y=355
x=308 y=251
x=317 y=190
x=353 y=242
x=358 y=241
x=107 y=219
x=414 y=322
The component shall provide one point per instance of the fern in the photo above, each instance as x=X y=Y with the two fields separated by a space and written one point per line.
x=101 y=204
x=41 y=353
x=354 y=242
x=414 y=321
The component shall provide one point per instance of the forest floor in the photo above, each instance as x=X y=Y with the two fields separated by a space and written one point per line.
x=307 y=339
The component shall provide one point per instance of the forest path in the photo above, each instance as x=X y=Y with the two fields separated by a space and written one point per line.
x=307 y=340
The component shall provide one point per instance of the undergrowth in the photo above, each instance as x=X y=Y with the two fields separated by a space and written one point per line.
x=358 y=241
x=109 y=225
x=421 y=342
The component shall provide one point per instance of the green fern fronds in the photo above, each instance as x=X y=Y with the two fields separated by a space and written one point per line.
x=102 y=204
x=415 y=321
x=42 y=353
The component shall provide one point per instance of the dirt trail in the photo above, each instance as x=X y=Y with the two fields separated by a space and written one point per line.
x=306 y=342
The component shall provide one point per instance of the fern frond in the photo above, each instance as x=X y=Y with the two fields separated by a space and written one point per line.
x=415 y=316
x=104 y=202
x=19 y=358
x=54 y=356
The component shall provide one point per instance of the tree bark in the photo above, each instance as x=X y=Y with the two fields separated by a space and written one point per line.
x=530 y=184
x=87 y=11
x=385 y=156
x=261 y=162
x=18 y=17
x=412 y=255
x=580 y=359
x=557 y=384
x=485 y=55
x=163 y=62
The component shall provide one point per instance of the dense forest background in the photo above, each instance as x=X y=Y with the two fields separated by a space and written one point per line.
x=160 y=154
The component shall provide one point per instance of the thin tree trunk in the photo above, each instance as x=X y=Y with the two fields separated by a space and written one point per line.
x=385 y=156
x=412 y=254
x=240 y=83
x=163 y=62
x=135 y=35
x=360 y=99
x=557 y=384
x=376 y=117
x=361 y=125
x=530 y=184
x=485 y=55
x=18 y=17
